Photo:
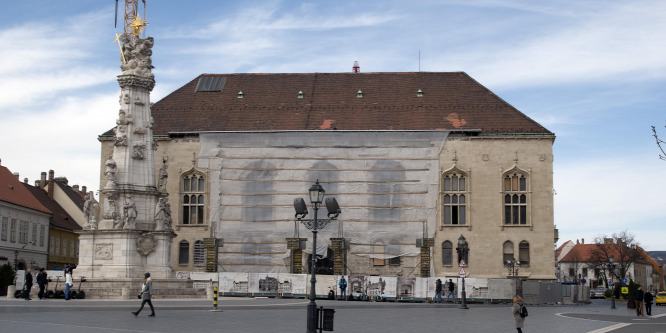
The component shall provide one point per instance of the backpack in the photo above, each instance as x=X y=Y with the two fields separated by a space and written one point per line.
x=523 y=311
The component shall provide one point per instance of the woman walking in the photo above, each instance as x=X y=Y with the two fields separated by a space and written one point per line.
x=145 y=296
x=519 y=321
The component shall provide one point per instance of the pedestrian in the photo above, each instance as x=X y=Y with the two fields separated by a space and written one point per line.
x=28 y=284
x=68 y=282
x=451 y=287
x=438 y=292
x=517 y=319
x=638 y=298
x=42 y=282
x=647 y=297
x=145 y=295
x=343 y=288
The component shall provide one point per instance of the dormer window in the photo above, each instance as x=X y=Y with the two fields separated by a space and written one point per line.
x=359 y=94
x=419 y=93
x=240 y=94
x=300 y=94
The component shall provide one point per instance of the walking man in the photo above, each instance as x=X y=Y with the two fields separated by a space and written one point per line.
x=438 y=292
x=451 y=287
x=42 y=282
x=647 y=297
x=68 y=283
x=343 y=288
x=638 y=298
x=28 y=284
x=145 y=295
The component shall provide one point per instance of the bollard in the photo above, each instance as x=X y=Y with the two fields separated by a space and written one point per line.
x=215 y=300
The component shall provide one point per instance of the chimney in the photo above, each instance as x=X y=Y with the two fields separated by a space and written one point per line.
x=51 y=183
x=76 y=187
x=17 y=175
x=62 y=180
x=25 y=180
x=43 y=180
x=37 y=184
x=356 y=68
x=582 y=240
x=84 y=190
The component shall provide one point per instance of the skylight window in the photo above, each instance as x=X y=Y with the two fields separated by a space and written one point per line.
x=210 y=83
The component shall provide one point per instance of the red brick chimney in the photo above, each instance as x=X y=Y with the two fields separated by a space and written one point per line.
x=51 y=183
x=84 y=190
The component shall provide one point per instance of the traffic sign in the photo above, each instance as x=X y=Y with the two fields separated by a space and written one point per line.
x=462 y=272
x=624 y=280
x=625 y=290
x=462 y=263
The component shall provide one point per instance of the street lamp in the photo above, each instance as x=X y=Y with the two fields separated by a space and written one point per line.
x=514 y=265
x=611 y=269
x=463 y=250
x=316 y=198
x=16 y=253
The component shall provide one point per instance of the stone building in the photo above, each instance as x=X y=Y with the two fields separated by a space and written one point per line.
x=415 y=160
x=24 y=231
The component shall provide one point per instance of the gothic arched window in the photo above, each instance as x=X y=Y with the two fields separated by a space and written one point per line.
x=454 y=198
x=193 y=186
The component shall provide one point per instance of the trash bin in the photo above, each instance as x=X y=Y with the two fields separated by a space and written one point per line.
x=327 y=322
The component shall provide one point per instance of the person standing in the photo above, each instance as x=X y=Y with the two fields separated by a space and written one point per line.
x=42 y=282
x=638 y=298
x=343 y=288
x=146 y=295
x=68 y=283
x=647 y=297
x=451 y=287
x=517 y=319
x=28 y=284
x=438 y=292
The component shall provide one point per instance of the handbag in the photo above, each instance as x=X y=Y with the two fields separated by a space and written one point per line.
x=138 y=296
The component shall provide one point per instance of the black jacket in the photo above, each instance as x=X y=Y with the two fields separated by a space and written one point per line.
x=648 y=298
x=28 y=279
x=638 y=295
x=42 y=279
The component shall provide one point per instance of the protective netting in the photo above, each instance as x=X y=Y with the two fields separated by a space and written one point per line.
x=385 y=182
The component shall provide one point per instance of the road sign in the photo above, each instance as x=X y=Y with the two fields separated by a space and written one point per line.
x=624 y=281
x=462 y=263
x=462 y=272
x=625 y=290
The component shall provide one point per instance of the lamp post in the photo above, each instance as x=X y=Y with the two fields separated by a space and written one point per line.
x=463 y=250
x=611 y=269
x=514 y=265
x=316 y=198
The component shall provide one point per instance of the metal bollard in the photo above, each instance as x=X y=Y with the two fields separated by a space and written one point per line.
x=215 y=300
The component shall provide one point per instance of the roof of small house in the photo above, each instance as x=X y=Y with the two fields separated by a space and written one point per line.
x=13 y=191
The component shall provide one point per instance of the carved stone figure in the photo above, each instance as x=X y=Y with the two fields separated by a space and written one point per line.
x=162 y=215
x=90 y=211
x=139 y=151
x=110 y=173
x=162 y=178
x=137 y=55
x=120 y=141
x=129 y=214
x=111 y=198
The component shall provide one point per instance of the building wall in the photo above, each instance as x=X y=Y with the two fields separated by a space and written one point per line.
x=68 y=205
x=485 y=160
x=29 y=255
x=63 y=248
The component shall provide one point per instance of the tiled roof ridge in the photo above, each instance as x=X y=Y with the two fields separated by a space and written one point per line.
x=12 y=191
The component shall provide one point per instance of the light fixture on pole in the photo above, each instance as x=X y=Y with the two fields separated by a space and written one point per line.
x=463 y=250
x=316 y=198
x=514 y=266
x=611 y=270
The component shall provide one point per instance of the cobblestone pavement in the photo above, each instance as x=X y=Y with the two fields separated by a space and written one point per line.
x=289 y=315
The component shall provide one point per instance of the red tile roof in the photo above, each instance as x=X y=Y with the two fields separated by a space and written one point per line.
x=13 y=191
x=60 y=218
x=450 y=101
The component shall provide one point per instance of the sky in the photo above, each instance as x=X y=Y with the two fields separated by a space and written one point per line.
x=592 y=72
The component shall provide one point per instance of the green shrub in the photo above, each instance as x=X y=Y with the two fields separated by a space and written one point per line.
x=6 y=278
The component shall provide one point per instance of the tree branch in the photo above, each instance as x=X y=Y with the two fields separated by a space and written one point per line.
x=659 y=142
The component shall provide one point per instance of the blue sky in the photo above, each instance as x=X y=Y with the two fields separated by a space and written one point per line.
x=593 y=72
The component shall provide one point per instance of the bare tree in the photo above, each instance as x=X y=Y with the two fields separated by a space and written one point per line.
x=659 y=143
x=622 y=246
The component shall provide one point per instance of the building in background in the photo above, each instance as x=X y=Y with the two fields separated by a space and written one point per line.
x=415 y=160
x=24 y=224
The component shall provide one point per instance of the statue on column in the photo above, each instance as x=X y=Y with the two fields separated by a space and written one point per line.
x=129 y=214
x=91 y=211
x=110 y=173
x=163 y=215
x=162 y=178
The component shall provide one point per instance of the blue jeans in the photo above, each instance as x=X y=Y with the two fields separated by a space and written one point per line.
x=67 y=286
x=343 y=293
x=450 y=293
x=438 y=297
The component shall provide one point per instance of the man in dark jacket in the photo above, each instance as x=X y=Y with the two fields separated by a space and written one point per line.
x=28 y=284
x=42 y=282
x=647 y=297
x=638 y=298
